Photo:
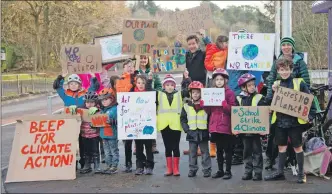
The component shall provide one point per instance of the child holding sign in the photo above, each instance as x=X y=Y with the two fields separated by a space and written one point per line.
x=252 y=152
x=143 y=84
x=90 y=136
x=194 y=121
x=109 y=133
x=220 y=124
x=169 y=105
x=289 y=126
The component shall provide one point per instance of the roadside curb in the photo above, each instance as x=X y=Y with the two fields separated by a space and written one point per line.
x=29 y=97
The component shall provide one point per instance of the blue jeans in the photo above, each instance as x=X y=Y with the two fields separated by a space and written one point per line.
x=111 y=152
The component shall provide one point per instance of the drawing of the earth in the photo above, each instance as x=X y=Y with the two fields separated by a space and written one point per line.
x=113 y=47
x=250 y=51
x=139 y=34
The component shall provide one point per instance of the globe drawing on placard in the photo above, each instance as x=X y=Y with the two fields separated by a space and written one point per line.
x=113 y=47
x=139 y=34
x=250 y=51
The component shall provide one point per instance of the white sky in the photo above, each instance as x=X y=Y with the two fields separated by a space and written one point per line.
x=189 y=4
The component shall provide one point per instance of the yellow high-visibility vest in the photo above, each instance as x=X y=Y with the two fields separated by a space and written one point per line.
x=296 y=84
x=169 y=115
x=196 y=120
x=254 y=101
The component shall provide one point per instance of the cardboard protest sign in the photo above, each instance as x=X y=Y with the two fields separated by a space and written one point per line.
x=96 y=120
x=139 y=36
x=44 y=148
x=169 y=59
x=111 y=48
x=250 y=51
x=213 y=96
x=137 y=115
x=190 y=21
x=250 y=119
x=81 y=58
x=291 y=102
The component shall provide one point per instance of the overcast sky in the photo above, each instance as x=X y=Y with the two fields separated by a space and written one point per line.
x=189 y=4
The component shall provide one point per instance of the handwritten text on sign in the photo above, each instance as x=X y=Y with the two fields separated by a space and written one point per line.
x=250 y=119
x=192 y=20
x=97 y=120
x=81 y=59
x=213 y=96
x=250 y=51
x=139 y=36
x=137 y=115
x=169 y=59
x=291 y=102
x=44 y=148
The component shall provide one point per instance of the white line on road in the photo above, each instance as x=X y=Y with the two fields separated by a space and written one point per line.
x=4 y=125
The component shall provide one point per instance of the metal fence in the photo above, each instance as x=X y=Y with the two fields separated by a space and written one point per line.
x=31 y=83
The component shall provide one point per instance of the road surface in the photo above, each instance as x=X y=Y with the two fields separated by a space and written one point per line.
x=156 y=183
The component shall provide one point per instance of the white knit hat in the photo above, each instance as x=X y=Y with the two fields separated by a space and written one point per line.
x=168 y=78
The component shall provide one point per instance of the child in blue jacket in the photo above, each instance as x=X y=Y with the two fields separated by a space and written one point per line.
x=109 y=133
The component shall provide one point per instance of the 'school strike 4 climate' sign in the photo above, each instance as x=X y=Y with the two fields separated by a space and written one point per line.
x=44 y=148
x=291 y=102
x=213 y=96
x=136 y=115
x=169 y=59
x=81 y=59
x=250 y=51
x=250 y=119
x=139 y=36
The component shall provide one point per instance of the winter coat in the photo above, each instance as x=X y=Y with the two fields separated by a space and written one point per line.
x=87 y=131
x=193 y=135
x=247 y=101
x=215 y=57
x=110 y=132
x=300 y=70
x=184 y=88
x=73 y=98
x=287 y=121
x=156 y=80
x=220 y=117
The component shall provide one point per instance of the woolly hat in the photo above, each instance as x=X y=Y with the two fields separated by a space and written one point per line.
x=289 y=40
x=168 y=78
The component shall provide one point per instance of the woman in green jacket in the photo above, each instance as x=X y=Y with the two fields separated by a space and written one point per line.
x=145 y=68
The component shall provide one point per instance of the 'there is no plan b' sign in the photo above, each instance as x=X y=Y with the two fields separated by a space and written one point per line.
x=250 y=51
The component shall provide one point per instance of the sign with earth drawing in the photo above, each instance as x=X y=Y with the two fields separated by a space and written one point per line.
x=139 y=36
x=250 y=51
x=111 y=47
x=169 y=59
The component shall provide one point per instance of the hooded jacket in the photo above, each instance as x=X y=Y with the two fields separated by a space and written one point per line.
x=110 y=132
x=215 y=57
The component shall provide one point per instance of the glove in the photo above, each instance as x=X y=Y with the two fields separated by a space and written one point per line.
x=224 y=103
x=72 y=109
x=93 y=110
x=56 y=83
x=201 y=103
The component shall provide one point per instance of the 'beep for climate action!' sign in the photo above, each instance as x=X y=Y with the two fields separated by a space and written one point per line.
x=139 y=36
x=250 y=51
x=250 y=119
x=137 y=115
x=291 y=102
x=213 y=96
x=44 y=148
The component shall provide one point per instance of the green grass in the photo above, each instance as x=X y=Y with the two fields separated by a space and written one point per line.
x=13 y=77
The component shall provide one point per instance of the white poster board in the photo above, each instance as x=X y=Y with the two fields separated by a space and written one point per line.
x=137 y=115
x=250 y=51
x=213 y=96
x=111 y=47
x=305 y=57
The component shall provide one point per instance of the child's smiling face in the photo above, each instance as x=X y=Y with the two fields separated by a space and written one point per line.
x=140 y=84
x=106 y=102
x=74 y=86
x=90 y=104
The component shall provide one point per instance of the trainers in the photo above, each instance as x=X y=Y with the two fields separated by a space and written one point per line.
x=206 y=174
x=228 y=175
x=149 y=171
x=247 y=176
x=98 y=171
x=128 y=169
x=106 y=171
x=301 y=179
x=218 y=174
x=191 y=174
x=257 y=177
x=275 y=177
x=114 y=170
x=139 y=171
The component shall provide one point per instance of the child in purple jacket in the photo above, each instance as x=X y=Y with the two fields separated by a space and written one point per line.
x=220 y=124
